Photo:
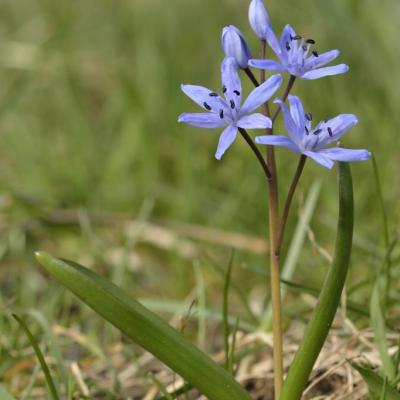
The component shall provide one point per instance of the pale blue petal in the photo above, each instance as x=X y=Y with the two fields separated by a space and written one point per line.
x=254 y=121
x=261 y=94
x=259 y=18
x=273 y=41
x=295 y=131
x=297 y=111
x=347 y=155
x=274 y=140
x=320 y=159
x=201 y=96
x=202 y=120
x=338 y=127
x=286 y=37
x=235 y=45
x=226 y=139
x=327 y=71
x=322 y=59
x=269 y=65
x=231 y=83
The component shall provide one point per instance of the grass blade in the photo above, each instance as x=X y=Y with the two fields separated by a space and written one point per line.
x=376 y=383
x=4 y=394
x=225 y=310
x=145 y=328
x=39 y=355
x=329 y=298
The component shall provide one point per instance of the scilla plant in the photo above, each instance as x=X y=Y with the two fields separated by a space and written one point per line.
x=231 y=112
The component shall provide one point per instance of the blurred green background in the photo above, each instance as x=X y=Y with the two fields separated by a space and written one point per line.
x=89 y=100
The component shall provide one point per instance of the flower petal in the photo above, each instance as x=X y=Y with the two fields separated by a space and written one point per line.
x=254 y=121
x=259 y=18
x=269 y=65
x=349 y=155
x=322 y=59
x=272 y=40
x=295 y=131
x=297 y=111
x=226 y=139
x=286 y=38
x=333 y=129
x=201 y=96
x=231 y=82
x=235 y=45
x=319 y=158
x=202 y=120
x=261 y=94
x=327 y=71
x=274 y=140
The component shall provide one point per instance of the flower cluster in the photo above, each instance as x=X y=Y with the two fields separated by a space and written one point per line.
x=297 y=56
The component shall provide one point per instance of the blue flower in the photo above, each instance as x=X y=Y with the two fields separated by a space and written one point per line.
x=312 y=142
x=259 y=18
x=228 y=111
x=294 y=56
x=235 y=45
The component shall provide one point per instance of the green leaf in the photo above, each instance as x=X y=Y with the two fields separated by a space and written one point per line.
x=39 y=355
x=145 y=328
x=378 y=325
x=376 y=384
x=4 y=394
x=329 y=298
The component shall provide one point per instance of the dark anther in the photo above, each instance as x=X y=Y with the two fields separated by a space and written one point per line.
x=223 y=89
x=309 y=116
x=307 y=131
x=317 y=132
x=287 y=46
x=236 y=92
x=213 y=94
x=304 y=47
x=330 y=131
x=232 y=104
x=221 y=114
x=325 y=121
x=297 y=37
x=207 y=106
x=315 y=53
x=310 y=41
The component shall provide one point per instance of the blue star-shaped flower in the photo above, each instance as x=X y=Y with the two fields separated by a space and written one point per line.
x=295 y=57
x=312 y=142
x=229 y=112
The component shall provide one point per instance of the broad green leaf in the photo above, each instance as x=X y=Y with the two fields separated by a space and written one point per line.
x=145 y=328
x=376 y=384
x=329 y=298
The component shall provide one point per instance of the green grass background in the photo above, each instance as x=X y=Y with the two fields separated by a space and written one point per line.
x=89 y=100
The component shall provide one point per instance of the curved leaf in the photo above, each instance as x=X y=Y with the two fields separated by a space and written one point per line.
x=145 y=328
x=329 y=298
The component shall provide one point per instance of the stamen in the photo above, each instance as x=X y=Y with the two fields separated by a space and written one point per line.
x=308 y=116
x=304 y=47
x=232 y=104
x=287 y=46
x=221 y=114
x=207 y=106
x=297 y=37
x=330 y=131
x=223 y=89
x=317 y=132
x=315 y=53
x=307 y=131
x=310 y=41
x=213 y=94
x=236 y=92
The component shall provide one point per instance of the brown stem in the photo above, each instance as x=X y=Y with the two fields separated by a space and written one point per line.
x=289 y=198
x=257 y=153
x=289 y=87
x=251 y=76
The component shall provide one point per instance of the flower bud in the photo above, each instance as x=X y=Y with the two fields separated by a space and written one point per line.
x=259 y=18
x=234 y=45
